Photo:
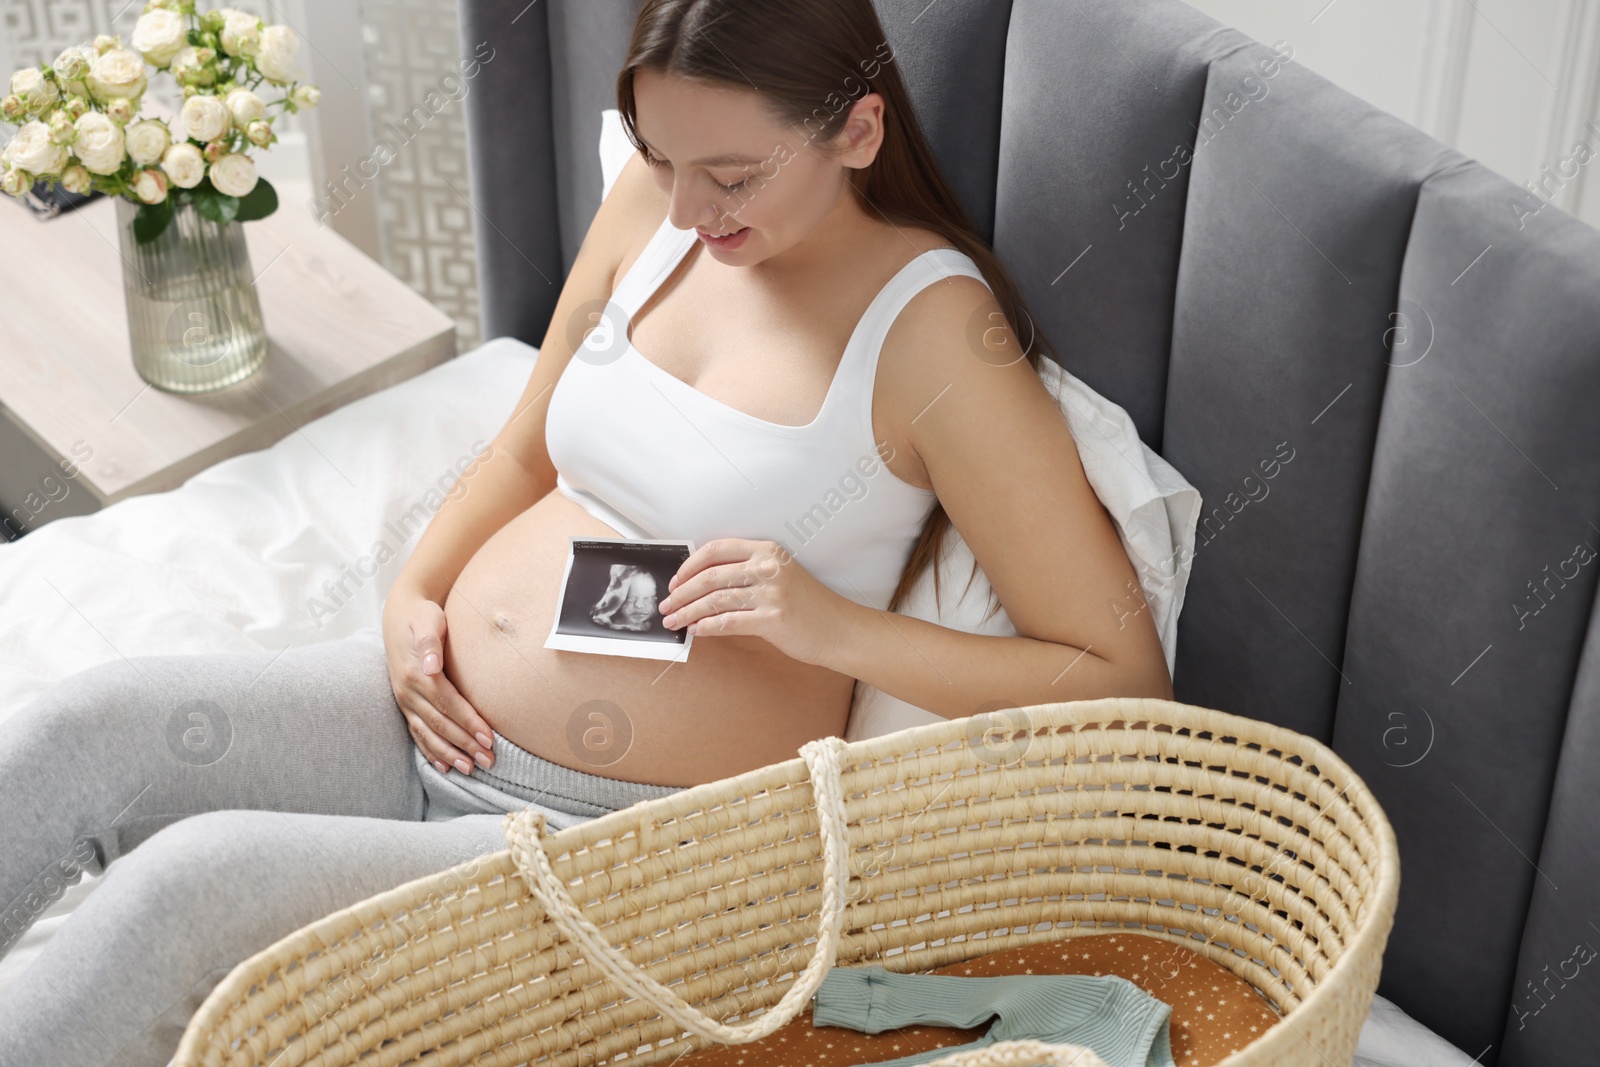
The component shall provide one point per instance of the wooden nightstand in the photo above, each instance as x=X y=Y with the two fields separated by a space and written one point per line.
x=79 y=429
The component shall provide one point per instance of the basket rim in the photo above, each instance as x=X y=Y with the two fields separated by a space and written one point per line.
x=937 y=734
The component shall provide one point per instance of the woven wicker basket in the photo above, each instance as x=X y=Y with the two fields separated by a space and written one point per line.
x=1253 y=845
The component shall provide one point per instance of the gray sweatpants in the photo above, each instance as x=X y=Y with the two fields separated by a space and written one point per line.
x=228 y=799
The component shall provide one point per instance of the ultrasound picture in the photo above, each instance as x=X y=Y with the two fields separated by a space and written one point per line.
x=609 y=599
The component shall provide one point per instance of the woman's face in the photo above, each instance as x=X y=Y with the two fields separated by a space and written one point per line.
x=727 y=164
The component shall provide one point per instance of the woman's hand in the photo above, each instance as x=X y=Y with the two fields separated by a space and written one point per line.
x=731 y=586
x=447 y=729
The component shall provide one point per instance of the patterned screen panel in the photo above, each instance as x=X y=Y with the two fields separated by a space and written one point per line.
x=417 y=95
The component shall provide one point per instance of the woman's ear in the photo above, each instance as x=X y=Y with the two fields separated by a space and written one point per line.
x=862 y=136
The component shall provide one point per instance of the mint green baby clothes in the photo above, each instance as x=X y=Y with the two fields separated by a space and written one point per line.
x=1124 y=1025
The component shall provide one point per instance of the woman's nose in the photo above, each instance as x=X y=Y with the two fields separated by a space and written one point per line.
x=699 y=219
x=690 y=210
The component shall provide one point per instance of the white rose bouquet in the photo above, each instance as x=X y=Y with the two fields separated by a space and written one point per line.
x=79 y=121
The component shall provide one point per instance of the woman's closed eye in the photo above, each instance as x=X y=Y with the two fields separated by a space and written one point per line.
x=654 y=162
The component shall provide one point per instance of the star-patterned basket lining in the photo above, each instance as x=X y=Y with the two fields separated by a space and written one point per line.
x=1215 y=1013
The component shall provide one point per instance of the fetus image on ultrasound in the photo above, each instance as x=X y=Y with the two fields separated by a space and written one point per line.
x=611 y=596
x=629 y=602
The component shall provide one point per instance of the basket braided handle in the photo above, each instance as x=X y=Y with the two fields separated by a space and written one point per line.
x=523 y=832
x=525 y=828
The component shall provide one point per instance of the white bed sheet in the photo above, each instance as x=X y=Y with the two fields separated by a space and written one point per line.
x=247 y=555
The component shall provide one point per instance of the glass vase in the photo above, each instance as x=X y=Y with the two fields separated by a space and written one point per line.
x=193 y=315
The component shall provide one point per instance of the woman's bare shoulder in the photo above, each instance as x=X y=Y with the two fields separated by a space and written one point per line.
x=639 y=209
x=915 y=240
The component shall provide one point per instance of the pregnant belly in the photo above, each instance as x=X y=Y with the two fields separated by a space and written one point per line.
x=736 y=704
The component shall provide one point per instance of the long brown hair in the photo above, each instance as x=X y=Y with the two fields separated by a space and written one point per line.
x=811 y=60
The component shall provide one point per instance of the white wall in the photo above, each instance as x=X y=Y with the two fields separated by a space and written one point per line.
x=1514 y=84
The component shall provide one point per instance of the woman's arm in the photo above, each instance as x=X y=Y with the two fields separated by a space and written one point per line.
x=955 y=674
x=512 y=474
x=1003 y=461
x=498 y=489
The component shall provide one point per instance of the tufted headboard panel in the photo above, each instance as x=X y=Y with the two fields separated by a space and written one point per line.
x=1377 y=360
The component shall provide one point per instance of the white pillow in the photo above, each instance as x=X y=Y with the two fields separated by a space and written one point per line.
x=1154 y=508
x=615 y=148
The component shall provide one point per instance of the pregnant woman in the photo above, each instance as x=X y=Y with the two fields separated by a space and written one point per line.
x=782 y=339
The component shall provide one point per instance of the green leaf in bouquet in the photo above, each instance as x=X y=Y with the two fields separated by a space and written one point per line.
x=151 y=221
x=218 y=207
x=258 y=203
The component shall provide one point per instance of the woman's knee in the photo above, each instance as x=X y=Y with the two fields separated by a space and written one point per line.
x=199 y=890
x=173 y=917
x=170 y=920
x=90 y=705
x=98 y=686
x=245 y=875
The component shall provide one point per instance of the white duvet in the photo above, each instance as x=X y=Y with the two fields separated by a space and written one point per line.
x=295 y=544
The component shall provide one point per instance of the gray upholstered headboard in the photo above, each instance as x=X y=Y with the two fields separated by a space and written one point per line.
x=1271 y=276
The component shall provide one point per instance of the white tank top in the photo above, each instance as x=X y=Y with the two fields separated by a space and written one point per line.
x=654 y=458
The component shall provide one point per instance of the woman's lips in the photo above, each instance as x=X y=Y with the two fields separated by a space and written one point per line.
x=728 y=243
